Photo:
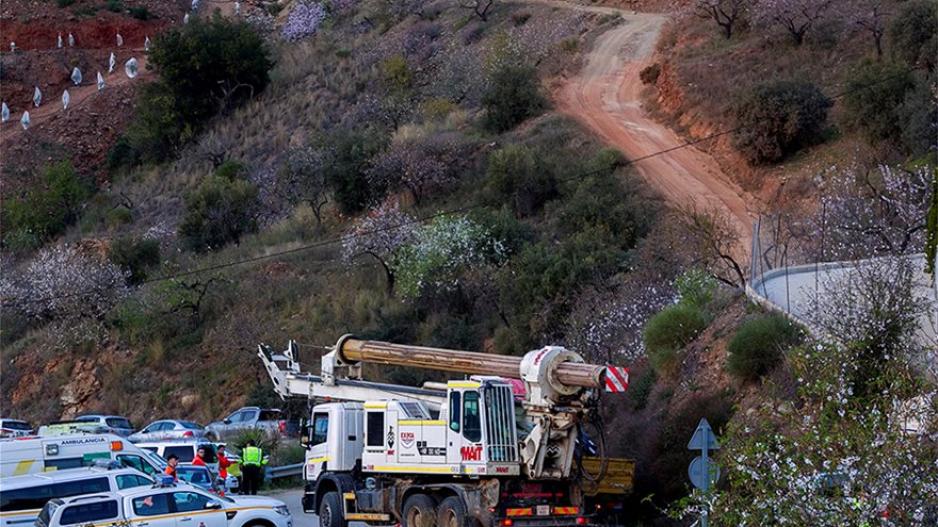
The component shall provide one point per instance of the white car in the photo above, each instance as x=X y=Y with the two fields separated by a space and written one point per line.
x=168 y=429
x=164 y=506
x=14 y=428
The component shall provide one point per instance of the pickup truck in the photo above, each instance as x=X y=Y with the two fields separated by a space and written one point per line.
x=163 y=505
x=270 y=420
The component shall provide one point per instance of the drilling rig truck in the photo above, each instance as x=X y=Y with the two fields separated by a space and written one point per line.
x=506 y=445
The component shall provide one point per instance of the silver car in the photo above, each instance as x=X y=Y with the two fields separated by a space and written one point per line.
x=250 y=417
x=168 y=429
x=110 y=424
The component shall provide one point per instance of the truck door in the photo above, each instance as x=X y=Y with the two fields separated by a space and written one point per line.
x=193 y=510
x=317 y=456
x=464 y=430
x=151 y=510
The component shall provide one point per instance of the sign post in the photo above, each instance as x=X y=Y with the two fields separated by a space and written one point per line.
x=703 y=474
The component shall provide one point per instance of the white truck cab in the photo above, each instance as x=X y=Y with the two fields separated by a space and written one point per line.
x=164 y=506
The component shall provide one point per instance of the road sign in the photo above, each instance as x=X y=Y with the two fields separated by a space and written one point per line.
x=696 y=473
x=703 y=438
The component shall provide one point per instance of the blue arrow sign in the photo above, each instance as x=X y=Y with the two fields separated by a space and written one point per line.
x=703 y=438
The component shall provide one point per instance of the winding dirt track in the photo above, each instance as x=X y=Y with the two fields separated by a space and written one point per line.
x=606 y=97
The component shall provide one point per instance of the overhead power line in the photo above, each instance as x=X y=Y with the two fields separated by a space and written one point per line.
x=424 y=219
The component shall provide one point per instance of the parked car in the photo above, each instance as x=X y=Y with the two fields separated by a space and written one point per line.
x=270 y=420
x=21 y=497
x=164 y=506
x=198 y=476
x=168 y=429
x=14 y=428
x=184 y=449
x=114 y=424
x=66 y=428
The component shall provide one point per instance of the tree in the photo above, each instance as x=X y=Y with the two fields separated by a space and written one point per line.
x=304 y=20
x=796 y=16
x=420 y=164
x=713 y=244
x=135 y=257
x=46 y=211
x=913 y=33
x=931 y=241
x=515 y=174
x=440 y=252
x=479 y=7
x=380 y=234
x=303 y=178
x=66 y=283
x=221 y=210
x=875 y=92
x=724 y=12
x=512 y=96
x=778 y=118
x=871 y=16
x=346 y=156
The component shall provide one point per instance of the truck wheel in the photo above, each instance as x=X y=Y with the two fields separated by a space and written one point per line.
x=452 y=513
x=330 y=511
x=419 y=511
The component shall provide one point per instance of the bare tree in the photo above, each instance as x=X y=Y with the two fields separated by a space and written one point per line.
x=479 y=7
x=871 y=15
x=304 y=179
x=796 y=16
x=724 y=12
x=713 y=245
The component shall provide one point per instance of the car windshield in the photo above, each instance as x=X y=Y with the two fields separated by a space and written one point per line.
x=194 y=475
x=155 y=459
x=191 y=426
x=47 y=511
x=118 y=422
x=270 y=415
x=84 y=419
x=16 y=425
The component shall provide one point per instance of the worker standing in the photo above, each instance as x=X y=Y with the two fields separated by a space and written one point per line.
x=223 y=464
x=199 y=460
x=252 y=458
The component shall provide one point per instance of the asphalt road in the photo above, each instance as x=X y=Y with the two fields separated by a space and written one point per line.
x=293 y=499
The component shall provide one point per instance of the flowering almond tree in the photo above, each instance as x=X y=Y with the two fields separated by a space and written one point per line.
x=380 y=234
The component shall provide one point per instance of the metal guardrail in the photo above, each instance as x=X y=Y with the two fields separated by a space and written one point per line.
x=284 y=471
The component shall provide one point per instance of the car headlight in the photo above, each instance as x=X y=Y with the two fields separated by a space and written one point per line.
x=282 y=510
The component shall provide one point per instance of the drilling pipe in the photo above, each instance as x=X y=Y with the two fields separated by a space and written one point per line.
x=351 y=351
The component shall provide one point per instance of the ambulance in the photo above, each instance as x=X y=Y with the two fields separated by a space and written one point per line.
x=29 y=455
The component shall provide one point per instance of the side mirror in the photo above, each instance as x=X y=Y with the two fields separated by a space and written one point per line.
x=227 y=421
x=454 y=426
x=213 y=505
x=304 y=441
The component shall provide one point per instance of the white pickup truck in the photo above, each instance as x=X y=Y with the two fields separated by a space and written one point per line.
x=164 y=506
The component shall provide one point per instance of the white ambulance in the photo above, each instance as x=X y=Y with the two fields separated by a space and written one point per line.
x=30 y=455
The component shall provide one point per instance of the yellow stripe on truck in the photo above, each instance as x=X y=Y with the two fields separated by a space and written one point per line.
x=33 y=512
x=23 y=467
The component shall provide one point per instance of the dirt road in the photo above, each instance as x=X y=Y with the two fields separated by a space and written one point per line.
x=605 y=96
x=78 y=96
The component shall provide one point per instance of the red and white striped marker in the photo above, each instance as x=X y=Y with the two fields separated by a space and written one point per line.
x=617 y=379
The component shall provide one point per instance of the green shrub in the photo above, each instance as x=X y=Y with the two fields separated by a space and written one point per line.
x=220 y=211
x=875 y=91
x=671 y=329
x=158 y=130
x=515 y=176
x=114 y=6
x=345 y=170
x=122 y=154
x=136 y=256
x=913 y=33
x=513 y=95
x=140 y=13
x=64 y=3
x=45 y=212
x=696 y=287
x=779 y=118
x=640 y=390
x=118 y=216
x=758 y=345
x=919 y=115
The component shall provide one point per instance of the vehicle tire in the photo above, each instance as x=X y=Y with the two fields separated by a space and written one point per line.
x=452 y=512
x=330 y=511
x=419 y=511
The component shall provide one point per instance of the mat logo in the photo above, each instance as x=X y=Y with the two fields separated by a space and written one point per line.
x=471 y=453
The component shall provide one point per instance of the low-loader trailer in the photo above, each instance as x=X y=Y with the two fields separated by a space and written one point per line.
x=506 y=445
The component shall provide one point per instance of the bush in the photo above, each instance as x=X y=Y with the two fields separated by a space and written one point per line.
x=220 y=211
x=777 y=119
x=919 y=115
x=135 y=256
x=513 y=95
x=205 y=67
x=122 y=154
x=114 y=6
x=696 y=287
x=64 y=3
x=875 y=92
x=45 y=212
x=913 y=33
x=649 y=74
x=347 y=159
x=670 y=330
x=140 y=13
x=758 y=344
x=515 y=176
